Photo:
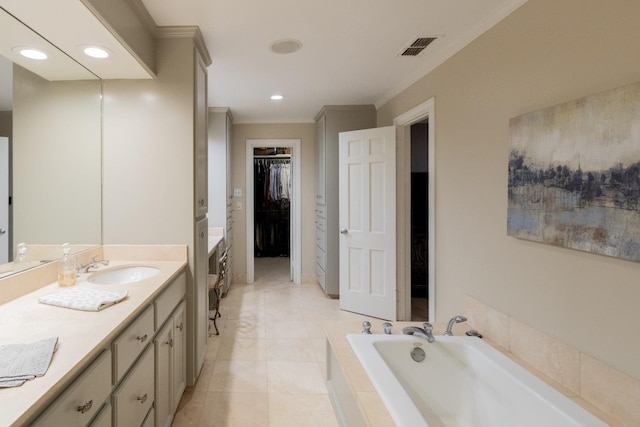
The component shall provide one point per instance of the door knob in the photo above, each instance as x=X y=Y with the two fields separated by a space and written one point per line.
x=344 y=231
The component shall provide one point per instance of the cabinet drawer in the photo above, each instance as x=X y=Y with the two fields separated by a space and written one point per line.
x=131 y=342
x=133 y=399
x=170 y=298
x=83 y=398
x=321 y=258
x=321 y=211
x=320 y=276
x=321 y=239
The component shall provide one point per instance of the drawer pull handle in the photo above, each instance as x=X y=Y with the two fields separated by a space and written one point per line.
x=85 y=408
x=180 y=326
x=142 y=399
x=142 y=338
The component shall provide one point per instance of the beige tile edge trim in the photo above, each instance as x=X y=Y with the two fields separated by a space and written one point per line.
x=599 y=388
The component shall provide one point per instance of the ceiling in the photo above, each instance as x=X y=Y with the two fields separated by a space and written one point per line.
x=350 y=48
x=349 y=55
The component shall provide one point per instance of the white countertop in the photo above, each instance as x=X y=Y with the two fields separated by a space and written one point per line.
x=82 y=335
x=214 y=241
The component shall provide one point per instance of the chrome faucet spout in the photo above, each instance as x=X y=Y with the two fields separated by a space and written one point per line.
x=92 y=265
x=426 y=332
x=453 y=321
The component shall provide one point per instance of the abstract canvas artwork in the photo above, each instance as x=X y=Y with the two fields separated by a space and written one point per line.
x=574 y=174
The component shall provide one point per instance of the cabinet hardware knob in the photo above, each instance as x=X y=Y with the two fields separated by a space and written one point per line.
x=344 y=231
x=170 y=342
x=180 y=326
x=3 y=230
x=142 y=338
x=142 y=399
x=85 y=408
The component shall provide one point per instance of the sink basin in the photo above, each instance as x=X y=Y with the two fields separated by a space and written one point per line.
x=122 y=275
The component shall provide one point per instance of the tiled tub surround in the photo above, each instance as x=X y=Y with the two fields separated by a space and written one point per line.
x=82 y=335
x=580 y=377
x=366 y=401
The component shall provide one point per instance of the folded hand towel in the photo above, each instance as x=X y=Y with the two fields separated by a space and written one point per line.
x=81 y=298
x=22 y=362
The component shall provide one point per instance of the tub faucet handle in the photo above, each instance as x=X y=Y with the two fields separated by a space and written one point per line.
x=453 y=321
x=427 y=327
x=366 y=327
x=387 y=327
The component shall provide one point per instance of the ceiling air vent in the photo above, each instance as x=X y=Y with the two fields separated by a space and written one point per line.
x=417 y=46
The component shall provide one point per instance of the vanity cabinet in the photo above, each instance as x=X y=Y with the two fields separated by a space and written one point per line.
x=139 y=379
x=330 y=121
x=220 y=188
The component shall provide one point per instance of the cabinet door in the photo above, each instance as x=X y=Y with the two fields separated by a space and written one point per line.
x=200 y=142
x=201 y=290
x=228 y=158
x=164 y=374
x=321 y=160
x=179 y=354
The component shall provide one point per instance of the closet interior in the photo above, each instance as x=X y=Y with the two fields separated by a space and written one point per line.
x=272 y=200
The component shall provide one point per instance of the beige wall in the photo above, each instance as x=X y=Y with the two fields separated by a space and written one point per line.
x=545 y=53
x=148 y=152
x=306 y=133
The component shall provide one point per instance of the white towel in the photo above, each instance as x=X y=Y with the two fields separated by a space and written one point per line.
x=81 y=298
x=22 y=362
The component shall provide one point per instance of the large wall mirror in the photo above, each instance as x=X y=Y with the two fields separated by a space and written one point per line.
x=50 y=149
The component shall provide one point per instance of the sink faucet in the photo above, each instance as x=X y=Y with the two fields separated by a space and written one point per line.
x=426 y=331
x=454 y=320
x=92 y=265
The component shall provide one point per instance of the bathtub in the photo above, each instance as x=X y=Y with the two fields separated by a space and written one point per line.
x=462 y=381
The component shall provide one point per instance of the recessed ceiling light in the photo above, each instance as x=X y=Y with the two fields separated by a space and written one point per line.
x=95 y=52
x=31 y=53
x=286 y=46
x=277 y=97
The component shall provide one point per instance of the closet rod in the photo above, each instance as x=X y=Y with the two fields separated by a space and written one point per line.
x=273 y=156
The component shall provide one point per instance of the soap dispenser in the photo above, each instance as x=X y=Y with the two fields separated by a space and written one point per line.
x=66 y=267
x=21 y=262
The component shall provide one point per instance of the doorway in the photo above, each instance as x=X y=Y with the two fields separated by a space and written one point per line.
x=273 y=220
x=419 y=221
x=416 y=185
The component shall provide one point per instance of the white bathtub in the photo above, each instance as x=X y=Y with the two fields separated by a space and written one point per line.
x=463 y=381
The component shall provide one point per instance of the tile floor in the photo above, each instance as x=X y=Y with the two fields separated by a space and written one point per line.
x=266 y=368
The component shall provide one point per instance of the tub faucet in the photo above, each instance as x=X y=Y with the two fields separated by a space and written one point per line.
x=454 y=320
x=426 y=331
x=92 y=265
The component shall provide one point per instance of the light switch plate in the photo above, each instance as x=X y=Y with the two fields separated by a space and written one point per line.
x=237 y=192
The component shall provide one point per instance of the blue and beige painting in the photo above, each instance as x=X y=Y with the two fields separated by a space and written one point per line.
x=574 y=174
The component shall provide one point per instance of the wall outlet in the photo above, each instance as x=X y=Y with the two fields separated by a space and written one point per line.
x=237 y=192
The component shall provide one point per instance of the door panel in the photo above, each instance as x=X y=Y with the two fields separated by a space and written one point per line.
x=367 y=165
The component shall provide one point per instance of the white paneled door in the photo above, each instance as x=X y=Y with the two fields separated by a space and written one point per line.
x=367 y=168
